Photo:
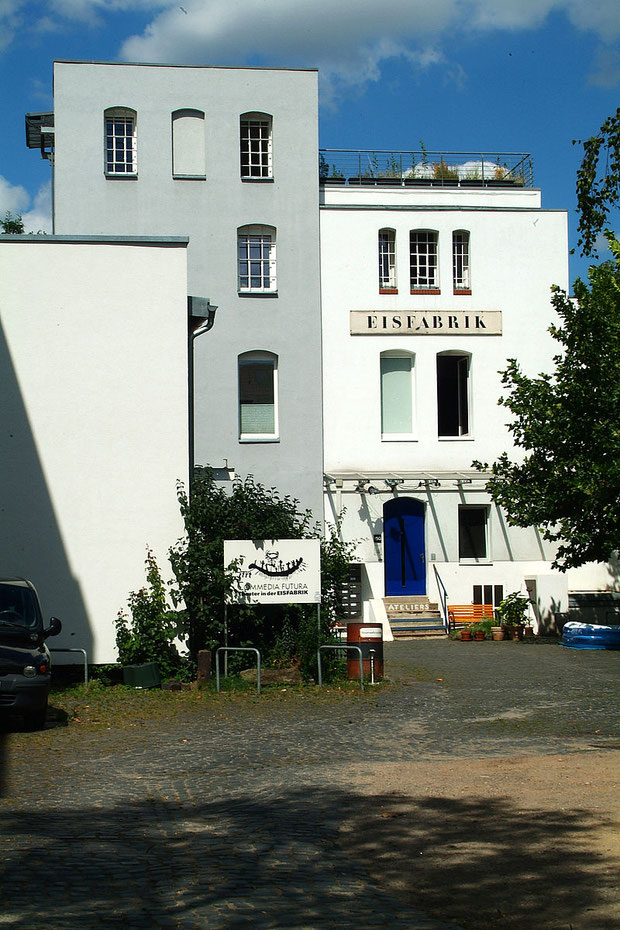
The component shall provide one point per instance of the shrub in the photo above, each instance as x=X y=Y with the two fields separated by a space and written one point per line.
x=148 y=634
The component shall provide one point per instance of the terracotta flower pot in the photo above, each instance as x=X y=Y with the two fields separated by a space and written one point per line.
x=497 y=635
x=465 y=635
x=479 y=636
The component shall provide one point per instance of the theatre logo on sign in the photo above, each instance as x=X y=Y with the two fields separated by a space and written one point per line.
x=276 y=570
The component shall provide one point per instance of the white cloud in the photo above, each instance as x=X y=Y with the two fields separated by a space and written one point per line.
x=348 y=41
x=38 y=218
x=36 y=214
x=13 y=197
x=606 y=71
x=10 y=20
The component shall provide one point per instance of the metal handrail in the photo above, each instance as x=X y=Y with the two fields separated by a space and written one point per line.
x=434 y=168
x=443 y=599
x=236 y=649
x=357 y=649
x=83 y=651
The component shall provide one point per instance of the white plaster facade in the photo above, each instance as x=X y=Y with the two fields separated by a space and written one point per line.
x=517 y=251
x=93 y=422
x=187 y=179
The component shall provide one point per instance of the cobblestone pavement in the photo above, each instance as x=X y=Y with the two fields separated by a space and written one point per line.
x=232 y=817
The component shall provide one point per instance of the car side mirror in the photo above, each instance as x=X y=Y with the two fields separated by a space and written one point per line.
x=54 y=628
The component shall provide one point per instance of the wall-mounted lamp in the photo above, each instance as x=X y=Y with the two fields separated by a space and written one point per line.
x=393 y=483
x=371 y=489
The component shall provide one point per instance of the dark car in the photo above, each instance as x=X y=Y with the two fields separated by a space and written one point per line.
x=25 y=665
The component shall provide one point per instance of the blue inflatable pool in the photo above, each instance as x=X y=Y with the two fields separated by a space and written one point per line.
x=590 y=636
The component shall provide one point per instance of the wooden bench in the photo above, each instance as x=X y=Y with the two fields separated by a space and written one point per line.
x=460 y=615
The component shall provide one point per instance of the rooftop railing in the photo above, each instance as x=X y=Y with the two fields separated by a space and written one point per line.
x=425 y=169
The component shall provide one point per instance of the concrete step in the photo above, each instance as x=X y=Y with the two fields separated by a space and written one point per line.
x=403 y=635
x=412 y=606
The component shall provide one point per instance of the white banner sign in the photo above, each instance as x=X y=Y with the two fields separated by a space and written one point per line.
x=427 y=323
x=275 y=571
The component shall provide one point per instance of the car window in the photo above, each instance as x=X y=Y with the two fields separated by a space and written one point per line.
x=18 y=607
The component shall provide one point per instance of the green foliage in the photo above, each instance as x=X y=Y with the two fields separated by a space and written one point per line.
x=482 y=626
x=512 y=611
x=11 y=225
x=568 y=423
x=283 y=633
x=147 y=636
x=598 y=182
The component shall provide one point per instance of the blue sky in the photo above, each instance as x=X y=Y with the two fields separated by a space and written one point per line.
x=460 y=75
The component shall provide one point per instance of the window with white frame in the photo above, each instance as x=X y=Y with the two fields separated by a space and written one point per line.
x=453 y=377
x=258 y=396
x=121 y=152
x=423 y=251
x=188 y=144
x=460 y=261
x=396 y=395
x=387 y=259
x=473 y=533
x=255 y=145
x=256 y=259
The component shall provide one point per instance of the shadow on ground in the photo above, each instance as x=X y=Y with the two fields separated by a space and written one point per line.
x=309 y=859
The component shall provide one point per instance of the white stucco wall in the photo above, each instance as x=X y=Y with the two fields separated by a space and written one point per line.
x=209 y=210
x=93 y=429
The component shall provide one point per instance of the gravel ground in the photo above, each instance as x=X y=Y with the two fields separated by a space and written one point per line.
x=477 y=789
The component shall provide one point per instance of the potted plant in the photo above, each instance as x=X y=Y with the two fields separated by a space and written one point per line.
x=481 y=629
x=512 y=614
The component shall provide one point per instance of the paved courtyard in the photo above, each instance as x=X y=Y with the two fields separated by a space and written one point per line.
x=336 y=811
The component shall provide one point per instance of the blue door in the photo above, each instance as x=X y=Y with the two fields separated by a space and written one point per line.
x=403 y=551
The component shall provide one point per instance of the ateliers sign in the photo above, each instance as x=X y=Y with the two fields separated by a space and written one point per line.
x=438 y=323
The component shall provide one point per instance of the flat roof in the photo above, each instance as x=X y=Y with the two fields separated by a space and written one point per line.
x=155 y=64
x=44 y=238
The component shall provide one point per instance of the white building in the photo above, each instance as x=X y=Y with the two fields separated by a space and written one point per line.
x=228 y=157
x=93 y=421
x=434 y=270
x=432 y=278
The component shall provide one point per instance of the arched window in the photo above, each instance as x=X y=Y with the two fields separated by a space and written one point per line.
x=188 y=144
x=255 y=131
x=121 y=152
x=453 y=394
x=256 y=259
x=258 y=396
x=397 y=404
x=424 y=270
x=460 y=262
x=387 y=260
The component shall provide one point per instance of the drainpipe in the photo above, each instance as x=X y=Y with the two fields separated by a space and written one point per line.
x=200 y=319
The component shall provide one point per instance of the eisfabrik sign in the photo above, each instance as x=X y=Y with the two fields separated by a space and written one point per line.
x=440 y=323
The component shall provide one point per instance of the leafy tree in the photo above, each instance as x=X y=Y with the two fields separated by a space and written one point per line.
x=284 y=633
x=568 y=423
x=147 y=636
x=598 y=182
x=11 y=225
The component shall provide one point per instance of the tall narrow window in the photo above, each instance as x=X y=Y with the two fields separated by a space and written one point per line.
x=387 y=260
x=255 y=145
x=258 y=392
x=453 y=395
x=423 y=261
x=460 y=262
x=396 y=396
x=473 y=543
x=121 y=153
x=256 y=259
x=188 y=144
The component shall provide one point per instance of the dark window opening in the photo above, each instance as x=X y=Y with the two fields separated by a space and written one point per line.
x=452 y=395
x=473 y=533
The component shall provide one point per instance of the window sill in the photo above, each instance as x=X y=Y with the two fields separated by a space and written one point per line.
x=257 y=180
x=483 y=562
x=425 y=290
x=462 y=291
x=112 y=176
x=467 y=438
x=388 y=290
x=258 y=438
x=398 y=437
x=189 y=177
x=257 y=293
